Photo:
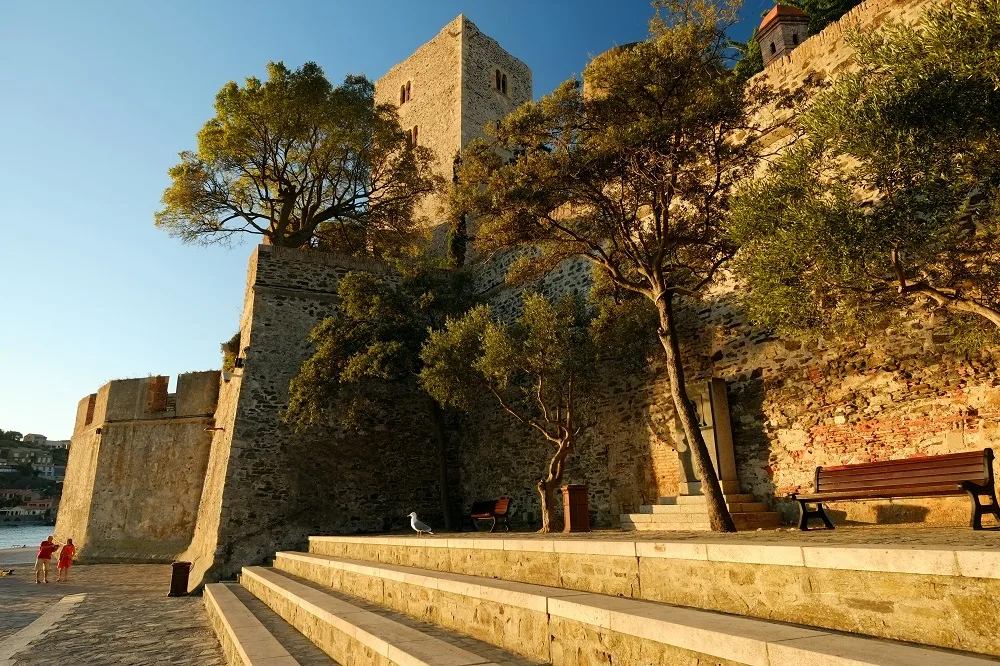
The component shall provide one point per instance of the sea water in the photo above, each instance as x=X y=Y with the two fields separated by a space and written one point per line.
x=12 y=536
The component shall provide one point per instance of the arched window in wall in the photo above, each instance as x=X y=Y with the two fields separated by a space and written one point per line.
x=773 y=50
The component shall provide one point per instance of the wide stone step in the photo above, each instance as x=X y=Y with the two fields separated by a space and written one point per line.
x=244 y=639
x=348 y=633
x=301 y=648
x=569 y=627
x=700 y=499
x=683 y=521
x=931 y=594
x=735 y=507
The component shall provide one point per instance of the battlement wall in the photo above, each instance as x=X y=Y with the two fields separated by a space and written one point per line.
x=147 y=398
x=828 y=53
x=136 y=467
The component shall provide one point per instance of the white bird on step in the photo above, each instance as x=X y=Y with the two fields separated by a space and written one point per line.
x=419 y=527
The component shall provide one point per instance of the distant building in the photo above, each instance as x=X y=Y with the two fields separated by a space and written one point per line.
x=22 y=511
x=22 y=456
x=33 y=438
x=47 y=471
x=23 y=495
x=57 y=443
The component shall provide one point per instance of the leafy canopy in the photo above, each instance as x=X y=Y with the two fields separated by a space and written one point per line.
x=302 y=163
x=630 y=171
x=891 y=199
x=373 y=341
x=536 y=368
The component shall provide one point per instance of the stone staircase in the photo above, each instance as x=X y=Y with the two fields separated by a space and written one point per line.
x=690 y=513
x=412 y=602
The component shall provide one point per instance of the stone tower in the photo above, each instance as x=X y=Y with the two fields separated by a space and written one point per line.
x=449 y=90
x=783 y=28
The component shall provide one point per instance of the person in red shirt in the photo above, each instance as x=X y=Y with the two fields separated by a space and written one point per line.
x=65 y=560
x=45 y=551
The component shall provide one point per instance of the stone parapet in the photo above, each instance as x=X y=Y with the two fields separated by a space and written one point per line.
x=565 y=627
x=930 y=595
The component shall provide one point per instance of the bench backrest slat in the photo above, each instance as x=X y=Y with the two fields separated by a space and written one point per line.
x=496 y=507
x=908 y=476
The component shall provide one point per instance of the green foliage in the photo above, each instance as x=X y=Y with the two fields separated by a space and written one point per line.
x=11 y=435
x=458 y=240
x=373 y=341
x=633 y=174
x=751 y=59
x=302 y=163
x=541 y=361
x=890 y=201
x=623 y=328
x=230 y=351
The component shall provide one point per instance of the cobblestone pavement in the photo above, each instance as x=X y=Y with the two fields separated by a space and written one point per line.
x=126 y=619
x=844 y=535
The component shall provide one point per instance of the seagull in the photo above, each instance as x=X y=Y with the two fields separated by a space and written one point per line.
x=419 y=527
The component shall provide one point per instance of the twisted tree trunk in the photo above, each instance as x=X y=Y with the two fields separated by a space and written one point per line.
x=547 y=486
x=718 y=513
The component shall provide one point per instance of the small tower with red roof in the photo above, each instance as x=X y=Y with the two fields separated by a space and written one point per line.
x=783 y=28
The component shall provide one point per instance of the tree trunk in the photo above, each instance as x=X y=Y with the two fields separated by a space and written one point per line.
x=437 y=417
x=547 y=486
x=718 y=512
x=547 y=494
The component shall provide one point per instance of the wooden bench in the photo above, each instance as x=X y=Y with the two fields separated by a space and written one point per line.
x=930 y=476
x=496 y=509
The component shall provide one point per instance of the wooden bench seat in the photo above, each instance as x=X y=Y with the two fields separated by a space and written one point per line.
x=485 y=510
x=930 y=476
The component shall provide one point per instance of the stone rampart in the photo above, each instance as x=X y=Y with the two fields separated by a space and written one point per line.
x=270 y=487
x=136 y=466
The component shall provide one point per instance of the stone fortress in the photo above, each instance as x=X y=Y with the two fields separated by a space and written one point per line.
x=212 y=475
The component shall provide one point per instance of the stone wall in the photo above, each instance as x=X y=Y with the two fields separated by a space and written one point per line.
x=482 y=103
x=269 y=487
x=136 y=466
x=795 y=404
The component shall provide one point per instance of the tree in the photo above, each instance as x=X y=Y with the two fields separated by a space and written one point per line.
x=230 y=352
x=890 y=201
x=301 y=163
x=372 y=343
x=632 y=174
x=750 y=59
x=537 y=369
x=11 y=435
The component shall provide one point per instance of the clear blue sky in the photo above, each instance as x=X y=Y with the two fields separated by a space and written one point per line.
x=98 y=99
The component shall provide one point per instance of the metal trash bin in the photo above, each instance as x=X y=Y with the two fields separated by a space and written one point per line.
x=179 y=575
x=576 y=509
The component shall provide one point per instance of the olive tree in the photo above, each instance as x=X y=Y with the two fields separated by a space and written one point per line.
x=889 y=202
x=372 y=344
x=537 y=369
x=300 y=162
x=632 y=173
